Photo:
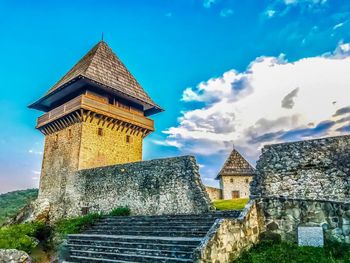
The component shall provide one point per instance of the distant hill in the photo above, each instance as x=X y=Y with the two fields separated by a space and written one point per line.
x=12 y=202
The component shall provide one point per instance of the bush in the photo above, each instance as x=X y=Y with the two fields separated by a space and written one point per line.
x=283 y=252
x=120 y=211
x=22 y=236
x=75 y=225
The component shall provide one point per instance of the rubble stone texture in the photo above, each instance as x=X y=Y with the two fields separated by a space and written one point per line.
x=214 y=193
x=228 y=238
x=14 y=256
x=305 y=183
x=161 y=186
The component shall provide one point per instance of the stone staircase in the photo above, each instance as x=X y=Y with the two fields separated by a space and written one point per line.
x=169 y=238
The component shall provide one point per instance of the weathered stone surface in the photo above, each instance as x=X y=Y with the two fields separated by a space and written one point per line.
x=228 y=238
x=214 y=193
x=305 y=183
x=161 y=186
x=283 y=216
x=14 y=256
x=314 y=169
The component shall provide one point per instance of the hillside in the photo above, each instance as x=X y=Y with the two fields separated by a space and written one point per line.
x=12 y=202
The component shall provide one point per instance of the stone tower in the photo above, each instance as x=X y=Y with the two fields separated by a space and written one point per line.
x=96 y=115
x=235 y=176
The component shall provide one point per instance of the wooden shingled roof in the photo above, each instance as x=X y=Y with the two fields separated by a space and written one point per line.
x=236 y=165
x=102 y=66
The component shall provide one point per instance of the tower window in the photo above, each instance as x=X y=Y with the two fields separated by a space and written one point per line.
x=56 y=137
x=69 y=133
x=100 y=132
x=128 y=138
x=231 y=180
x=246 y=180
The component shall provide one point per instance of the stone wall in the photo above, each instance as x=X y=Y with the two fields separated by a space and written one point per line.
x=109 y=149
x=228 y=238
x=214 y=193
x=315 y=169
x=162 y=186
x=238 y=183
x=283 y=216
x=305 y=183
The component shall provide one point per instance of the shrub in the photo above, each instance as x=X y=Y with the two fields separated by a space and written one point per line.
x=75 y=225
x=120 y=211
x=21 y=236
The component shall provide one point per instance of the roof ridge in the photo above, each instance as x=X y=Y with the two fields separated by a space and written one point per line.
x=232 y=163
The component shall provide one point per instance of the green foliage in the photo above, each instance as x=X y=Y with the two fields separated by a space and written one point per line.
x=120 y=211
x=12 y=202
x=75 y=225
x=232 y=204
x=21 y=236
x=282 y=252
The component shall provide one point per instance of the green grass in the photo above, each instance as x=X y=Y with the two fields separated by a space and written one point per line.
x=232 y=204
x=281 y=252
x=12 y=202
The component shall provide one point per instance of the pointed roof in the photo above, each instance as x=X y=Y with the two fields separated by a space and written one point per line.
x=102 y=66
x=236 y=165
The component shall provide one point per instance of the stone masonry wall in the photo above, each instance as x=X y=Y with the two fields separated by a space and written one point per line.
x=314 y=169
x=235 y=183
x=228 y=238
x=283 y=216
x=162 y=186
x=109 y=149
x=305 y=183
x=214 y=193
x=61 y=155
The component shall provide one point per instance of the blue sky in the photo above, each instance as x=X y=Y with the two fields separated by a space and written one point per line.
x=226 y=72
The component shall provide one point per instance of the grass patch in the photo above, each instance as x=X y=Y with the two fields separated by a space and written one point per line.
x=36 y=238
x=282 y=252
x=120 y=211
x=232 y=204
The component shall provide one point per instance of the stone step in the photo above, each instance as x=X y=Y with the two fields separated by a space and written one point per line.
x=93 y=260
x=154 y=245
x=208 y=223
x=168 y=233
x=138 y=251
x=224 y=214
x=185 y=241
x=125 y=257
x=151 y=228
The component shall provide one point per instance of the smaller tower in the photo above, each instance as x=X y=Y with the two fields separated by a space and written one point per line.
x=235 y=176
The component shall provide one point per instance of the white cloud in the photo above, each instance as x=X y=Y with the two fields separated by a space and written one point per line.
x=31 y=151
x=270 y=13
x=226 y=12
x=209 y=3
x=338 y=26
x=246 y=107
x=36 y=172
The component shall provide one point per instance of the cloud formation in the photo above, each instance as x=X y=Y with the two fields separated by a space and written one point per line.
x=272 y=101
x=288 y=100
